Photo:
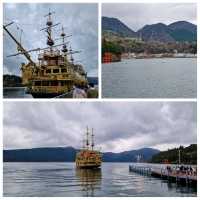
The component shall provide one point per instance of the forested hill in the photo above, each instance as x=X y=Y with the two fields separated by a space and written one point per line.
x=68 y=154
x=12 y=81
x=179 y=31
x=188 y=155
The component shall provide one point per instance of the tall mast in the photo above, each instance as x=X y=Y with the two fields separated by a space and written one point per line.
x=71 y=57
x=87 y=138
x=63 y=35
x=48 y=29
x=20 y=47
x=92 y=138
x=49 y=24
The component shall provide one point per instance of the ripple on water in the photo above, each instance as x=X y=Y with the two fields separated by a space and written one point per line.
x=150 y=78
x=53 y=179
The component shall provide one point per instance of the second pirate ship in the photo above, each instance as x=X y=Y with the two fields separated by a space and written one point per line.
x=54 y=73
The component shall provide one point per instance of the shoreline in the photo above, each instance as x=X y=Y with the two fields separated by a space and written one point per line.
x=147 y=58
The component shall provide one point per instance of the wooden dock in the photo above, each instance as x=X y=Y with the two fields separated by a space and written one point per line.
x=183 y=178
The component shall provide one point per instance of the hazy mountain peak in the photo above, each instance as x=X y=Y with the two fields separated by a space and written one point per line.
x=177 y=31
x=117 y=26
x=183 y=25
x=67 y=154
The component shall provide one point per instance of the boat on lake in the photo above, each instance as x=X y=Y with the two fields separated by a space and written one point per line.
x=88 y=157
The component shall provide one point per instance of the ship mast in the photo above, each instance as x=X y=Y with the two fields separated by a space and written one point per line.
x=20 y=47
x=71 y=57
x=92 y=138
x=49 y=24
x=87 y=138
x=48 y=29
x=63 y=35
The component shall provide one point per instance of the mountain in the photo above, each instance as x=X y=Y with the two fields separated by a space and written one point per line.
x=93 y=80
x=183 y=25
x=67 y=154
x=12 y=81
x=180 y=31
x=130 y=156
x=156 y=32
x=177 y=31
x=116 y=26
x=183 y=31
x=59 y=154
x=188 y=155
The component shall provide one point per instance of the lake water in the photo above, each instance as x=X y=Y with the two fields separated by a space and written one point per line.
x=63 y=179
x=15 y=92
x=150 y=78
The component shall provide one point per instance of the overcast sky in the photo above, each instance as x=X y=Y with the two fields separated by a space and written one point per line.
x=118 y=126
x=80 y=20
x=136 y=15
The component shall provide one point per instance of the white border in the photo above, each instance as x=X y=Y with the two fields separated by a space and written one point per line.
x=100 y=92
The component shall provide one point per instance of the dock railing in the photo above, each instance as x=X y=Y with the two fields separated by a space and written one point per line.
x=174 y=173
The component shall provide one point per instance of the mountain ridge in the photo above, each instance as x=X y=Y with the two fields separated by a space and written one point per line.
x=67 y=154
x=188 y=155
x=117 y=27
x=179 y=31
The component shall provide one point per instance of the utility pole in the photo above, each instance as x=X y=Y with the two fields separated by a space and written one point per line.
x=179 y=156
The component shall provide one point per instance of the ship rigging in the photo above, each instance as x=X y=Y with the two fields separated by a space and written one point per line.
x=55 y=72
x=88 y=157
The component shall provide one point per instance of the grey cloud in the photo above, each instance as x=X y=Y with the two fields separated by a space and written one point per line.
x=118 y=126
x=136 y=15
x=80 y=20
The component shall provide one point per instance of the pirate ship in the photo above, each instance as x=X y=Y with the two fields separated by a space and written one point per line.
x=88 y=157
x=55 y=72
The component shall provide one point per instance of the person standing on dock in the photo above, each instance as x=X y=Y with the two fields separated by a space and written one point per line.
x=92 y=92
x=79 y=92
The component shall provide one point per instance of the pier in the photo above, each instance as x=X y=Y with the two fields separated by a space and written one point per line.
x=170 y=173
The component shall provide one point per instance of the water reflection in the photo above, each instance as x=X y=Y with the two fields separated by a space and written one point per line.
x=64 y=180
x=90 y=180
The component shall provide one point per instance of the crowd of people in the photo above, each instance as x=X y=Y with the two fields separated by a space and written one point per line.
x=80 y=91
x=185 y=170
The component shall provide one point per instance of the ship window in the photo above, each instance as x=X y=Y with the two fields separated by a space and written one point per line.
x=63 y=83
x=54 y=83
x=48 y=71
x=52 y=62
x=37 y=83
x=55 y=70
x=45 y=83
x=63 y=70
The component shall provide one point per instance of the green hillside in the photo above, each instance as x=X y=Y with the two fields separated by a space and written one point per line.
x=188 y=155
x=184 y=35
x=111 y=47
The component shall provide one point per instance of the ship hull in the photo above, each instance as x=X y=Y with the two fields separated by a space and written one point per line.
x=50 y=95
x=89 y=166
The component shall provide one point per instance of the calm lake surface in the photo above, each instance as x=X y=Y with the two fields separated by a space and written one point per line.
x=150 y=78
x=15 y=92
x=63 y=179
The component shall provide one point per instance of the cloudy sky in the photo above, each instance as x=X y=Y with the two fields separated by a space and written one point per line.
x=118 y=126
x=136 y=15
x=80 y=20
